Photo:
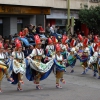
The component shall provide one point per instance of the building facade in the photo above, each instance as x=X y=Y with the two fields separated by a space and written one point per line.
x=16 y=14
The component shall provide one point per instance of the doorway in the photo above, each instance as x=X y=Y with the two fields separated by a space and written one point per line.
x=1 y=27
x=19 y=25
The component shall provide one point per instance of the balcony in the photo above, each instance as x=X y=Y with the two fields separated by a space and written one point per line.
x=94 y=1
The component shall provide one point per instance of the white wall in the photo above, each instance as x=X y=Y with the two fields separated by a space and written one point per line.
x=47 y=3
x=13 y=25
x=33 y=20
x=74 y=4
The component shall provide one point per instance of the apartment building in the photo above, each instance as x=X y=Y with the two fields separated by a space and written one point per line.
x=15 y=14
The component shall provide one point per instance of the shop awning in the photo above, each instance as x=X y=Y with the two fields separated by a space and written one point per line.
x=9 y=9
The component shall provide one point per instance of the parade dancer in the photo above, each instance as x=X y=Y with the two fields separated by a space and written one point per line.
x=60 y=67
x=36 y=70
x=80 y=50
x=95 y=42
x=94 y=49
x=85 y=55
x=64 y=46
x=54 y=40
x=18 y=65
x=50 y=49
x=79 y=44
x=71 y=58
x=3 y=66
x=92 y=63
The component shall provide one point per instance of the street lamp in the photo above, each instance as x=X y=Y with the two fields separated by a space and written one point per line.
x=68 y=16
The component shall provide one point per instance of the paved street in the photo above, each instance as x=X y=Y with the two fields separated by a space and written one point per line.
x=78 y=87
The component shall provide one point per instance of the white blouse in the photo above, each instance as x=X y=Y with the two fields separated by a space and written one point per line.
x=63 y=47
x=2 y=56
x=58 y=58
x=37 y=52
x=50 y=47
x=18 y=55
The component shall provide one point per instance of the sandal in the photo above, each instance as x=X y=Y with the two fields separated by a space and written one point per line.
x=19 y=89
x=72 y=71
x=38 y=87
x=58 y=86
x=0 y=91
x=11 y=80
x=34 y=82
x=63 y=81
x=21 y=81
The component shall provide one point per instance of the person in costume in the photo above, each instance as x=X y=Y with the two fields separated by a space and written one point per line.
x=94 y=49
x=18 y=66
x=71 y=58
x=9 y=52
x=54 y=39
x=39 y=71
x=92 y=63
x=95 y=42
x=85 y=55
x=50 y=49
x=64 y=46
x=80 y=50
x=84 y=59
x=60 y=66
x=3 y=67
x=79 y=43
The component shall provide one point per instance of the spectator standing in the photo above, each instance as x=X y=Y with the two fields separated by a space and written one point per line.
x=52 y=29
x=48 y=30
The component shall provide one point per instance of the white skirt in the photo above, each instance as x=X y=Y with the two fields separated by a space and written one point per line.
x=41 y=67
x=19 y=67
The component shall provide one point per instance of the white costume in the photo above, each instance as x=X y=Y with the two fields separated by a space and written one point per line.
x=19 y=65
x=36 y=64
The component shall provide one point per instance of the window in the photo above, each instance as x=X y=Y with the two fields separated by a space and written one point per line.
x=95 y=1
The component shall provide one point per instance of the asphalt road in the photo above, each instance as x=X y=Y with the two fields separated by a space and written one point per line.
x=77 y=87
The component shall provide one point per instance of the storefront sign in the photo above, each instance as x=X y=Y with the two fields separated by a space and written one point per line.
x=61 y=14
x=23 y=10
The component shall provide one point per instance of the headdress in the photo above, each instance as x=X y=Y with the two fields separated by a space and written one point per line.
x=37 y=39
x=58 y=47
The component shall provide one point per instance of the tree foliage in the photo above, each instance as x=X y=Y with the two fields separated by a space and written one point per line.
x=91 y=17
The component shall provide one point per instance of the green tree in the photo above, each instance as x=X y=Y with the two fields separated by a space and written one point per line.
x=91 y=17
